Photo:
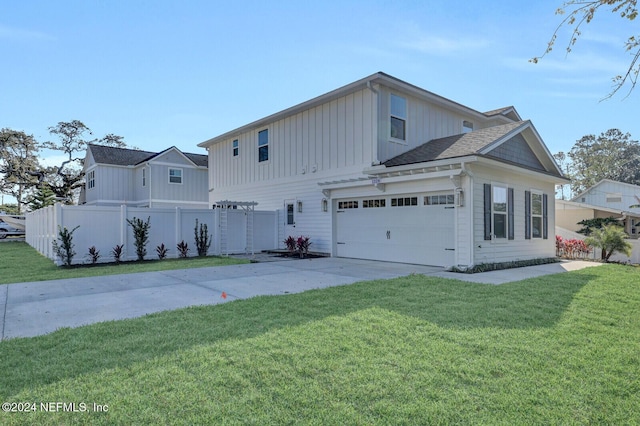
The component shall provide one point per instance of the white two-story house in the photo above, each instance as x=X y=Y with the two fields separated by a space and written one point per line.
x=118 y=176
x=382 y=169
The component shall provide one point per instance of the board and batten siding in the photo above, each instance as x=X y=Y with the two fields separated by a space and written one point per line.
x=192 y=189
x=112 y=183
x=425 y=121
x=621 y=196
x=519 y=248
x=332 y=136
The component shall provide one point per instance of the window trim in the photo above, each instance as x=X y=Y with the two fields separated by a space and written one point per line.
x=398 y=117
x=263 y=145
x=181 y=176
x=537 y=215
x=488 y=207
x=494 y=238
x=235 y=148
x=91 y=179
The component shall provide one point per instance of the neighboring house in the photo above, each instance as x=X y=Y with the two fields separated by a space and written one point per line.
x=606 y=198
x=381 y=169
x=118 y=176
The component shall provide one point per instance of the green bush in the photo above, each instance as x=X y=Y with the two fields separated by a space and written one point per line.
x=141 y=235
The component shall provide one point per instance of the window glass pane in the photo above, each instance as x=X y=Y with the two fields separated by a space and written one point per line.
x=397 y=128
x=536 y=227
x=450 y=199
x=398 y=106
x=500 y=225
x=499 y=199
x=263 y=153
x=536 y=204
x=263 y=137
x=290 y=214
x=175 y=176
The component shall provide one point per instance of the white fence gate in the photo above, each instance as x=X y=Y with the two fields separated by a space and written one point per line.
x=106 y=227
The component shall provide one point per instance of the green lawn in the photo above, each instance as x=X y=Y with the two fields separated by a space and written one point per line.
x=563 y=349
x=21 y=263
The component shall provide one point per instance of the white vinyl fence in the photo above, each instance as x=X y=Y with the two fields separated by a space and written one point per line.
x=596 y=253
x=239 y=231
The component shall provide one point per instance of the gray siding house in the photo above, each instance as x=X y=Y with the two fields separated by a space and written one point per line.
x=170 y=178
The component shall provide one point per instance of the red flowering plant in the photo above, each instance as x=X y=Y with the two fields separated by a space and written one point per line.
x=572 y=249
x=302 y=244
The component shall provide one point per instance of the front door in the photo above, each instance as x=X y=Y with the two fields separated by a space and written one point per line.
x=289 y=218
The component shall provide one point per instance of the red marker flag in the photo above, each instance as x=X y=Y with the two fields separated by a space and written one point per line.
x=223 y=295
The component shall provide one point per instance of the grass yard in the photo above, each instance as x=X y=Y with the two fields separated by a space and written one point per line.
x=563 y=349
x=19 y=262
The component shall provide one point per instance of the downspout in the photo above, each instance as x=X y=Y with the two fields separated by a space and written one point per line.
x=469 y=202
x=375 y=160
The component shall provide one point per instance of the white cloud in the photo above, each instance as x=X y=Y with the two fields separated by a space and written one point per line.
x=21 y=34
x=443 y=45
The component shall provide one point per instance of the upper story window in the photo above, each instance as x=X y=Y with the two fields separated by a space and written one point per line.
x=398 y=117
x=144 y=177
x=236 y=148
x=614 y=197
x=263 y=145
x=91 y=179
x=175 y=175
x=467 y=126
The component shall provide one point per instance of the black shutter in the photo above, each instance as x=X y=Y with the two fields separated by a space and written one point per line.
x=545 y=219
x=527 y=215
x=487 y=211
x=510 y=212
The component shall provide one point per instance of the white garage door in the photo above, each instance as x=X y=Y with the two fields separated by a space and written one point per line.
x=410 y=229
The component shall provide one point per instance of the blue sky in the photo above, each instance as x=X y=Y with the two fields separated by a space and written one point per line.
x=163 y=73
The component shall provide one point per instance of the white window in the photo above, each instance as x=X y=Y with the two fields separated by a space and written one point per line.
x=347 y=205
x=175 y=175
x=536 y=215
x=263 y=145
x=91 y=179
x=614 y=198
x=499 y=212
x=404 y=202
x=236 y=148
x=374 y=203
x=467 y=126
x=398 y=118
x=432 y=200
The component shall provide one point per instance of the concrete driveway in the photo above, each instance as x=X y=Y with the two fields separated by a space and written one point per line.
x=31 y=309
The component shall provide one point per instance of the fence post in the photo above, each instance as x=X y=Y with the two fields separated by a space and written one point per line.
x=123 y=230
x=178 y=226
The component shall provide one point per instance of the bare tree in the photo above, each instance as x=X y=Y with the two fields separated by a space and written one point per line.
x=578 y=13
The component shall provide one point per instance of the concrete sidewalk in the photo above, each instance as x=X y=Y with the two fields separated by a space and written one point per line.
x=31 y=309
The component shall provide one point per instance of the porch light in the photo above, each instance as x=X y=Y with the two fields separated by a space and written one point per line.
x=325 y=205
x=299 y=206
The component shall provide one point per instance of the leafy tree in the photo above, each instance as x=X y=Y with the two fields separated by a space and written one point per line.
x=9 y=209
x=140 y=235
x=579 y=12
x=610 y=239
x=561 y=159
x=68 y=177
x=42 y=197
x=612 y=155
x=589 y=225
x=19 y=166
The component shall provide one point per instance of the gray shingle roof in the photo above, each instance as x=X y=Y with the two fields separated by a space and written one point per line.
x=453 y=146
x=130 y=157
